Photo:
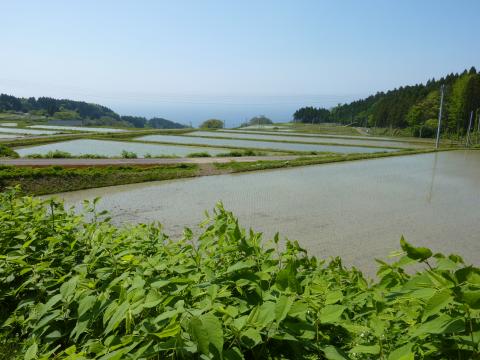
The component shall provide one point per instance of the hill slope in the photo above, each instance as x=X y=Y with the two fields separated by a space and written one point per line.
x=414 y=107
x=93 y=114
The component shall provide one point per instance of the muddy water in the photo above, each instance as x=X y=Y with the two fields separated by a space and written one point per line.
x=357 y=209
x=311 y=139
x=115 y=148
x=260 y=144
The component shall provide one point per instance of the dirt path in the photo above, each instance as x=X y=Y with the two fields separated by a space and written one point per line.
x=136 y=162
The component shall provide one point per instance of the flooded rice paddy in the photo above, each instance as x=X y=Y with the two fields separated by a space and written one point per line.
x=9 y=136
x=14 y=130
x=115 y=148
x=309 y=139
x=260 y=144
x=357 y=210
x=77 y=128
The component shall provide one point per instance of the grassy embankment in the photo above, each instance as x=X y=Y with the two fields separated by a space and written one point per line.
x=48 y=180
x=74 y=286
x=235 y=166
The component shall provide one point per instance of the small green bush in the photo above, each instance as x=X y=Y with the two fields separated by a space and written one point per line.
x=129 y=154
x=199 y=154
x=5 y=151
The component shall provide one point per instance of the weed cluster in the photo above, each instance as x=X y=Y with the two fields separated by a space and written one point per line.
x=85 y=289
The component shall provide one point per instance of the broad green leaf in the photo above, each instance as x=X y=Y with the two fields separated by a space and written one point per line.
x=282 y=307
x=333 y=297
x=207 y=330
x=265 y=314
x=298 y=309
x=240 y=265
x=169 y=331
x=117 y=317
x=365 y=349
x=86 y=304
x=402 y=353
x=251 y=337
x=213 y=327
x=332 y=353
x=443 y=324
x=437 y=302
x=199 y=335
x=331 y=313
x=472 y=298
x=416 y=253
x=31 y=352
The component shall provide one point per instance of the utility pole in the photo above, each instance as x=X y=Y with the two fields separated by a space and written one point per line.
x=467 y=142
x=437 y=141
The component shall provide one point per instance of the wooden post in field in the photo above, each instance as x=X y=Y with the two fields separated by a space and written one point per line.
x=437 y=141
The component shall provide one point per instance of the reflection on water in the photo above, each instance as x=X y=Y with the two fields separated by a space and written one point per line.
x=115 y=148
x=77 y=128
x=434 y=170
x=260 y=144
x=282 y=137
x=14 y=130
x=357 y=209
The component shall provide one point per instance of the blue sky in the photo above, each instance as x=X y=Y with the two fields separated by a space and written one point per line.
x=191 y=60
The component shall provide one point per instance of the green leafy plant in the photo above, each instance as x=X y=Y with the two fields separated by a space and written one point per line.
x=128 y=154
x=75 y=286
x=5 y=151
x=199 y=154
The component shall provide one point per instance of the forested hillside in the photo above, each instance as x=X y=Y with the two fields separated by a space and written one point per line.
x=414 y=107
x=65 y=109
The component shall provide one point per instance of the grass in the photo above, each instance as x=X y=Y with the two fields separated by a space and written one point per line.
x=47 y=180
x=325 y=129
x=234 y=166
x=239 y=153
x=5 y=151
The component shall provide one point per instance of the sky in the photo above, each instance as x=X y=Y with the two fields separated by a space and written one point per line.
x=190 y=60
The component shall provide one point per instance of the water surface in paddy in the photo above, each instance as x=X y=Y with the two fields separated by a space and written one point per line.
x=356 y=209
x=424 y=141
x=347 y=141
x=260 y=144
x=77 y=128
x=14 y=130
x=115 y=148
x=9 y=136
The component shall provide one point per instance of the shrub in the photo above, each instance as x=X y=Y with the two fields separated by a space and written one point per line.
x=77 y=288
x=5 y=151
x=212 y=124
x=128 y=155
x=199 y=154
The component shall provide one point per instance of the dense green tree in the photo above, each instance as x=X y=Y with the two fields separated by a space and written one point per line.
x=136 y=121
x=66 y=115
x=92 y=114
x=312 y=115
x=260 y=120
x=160 y=123
x=212 y=124
x=411 y=106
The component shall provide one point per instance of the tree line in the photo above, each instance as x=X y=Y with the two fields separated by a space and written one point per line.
x=414 y=107
x=92 y=114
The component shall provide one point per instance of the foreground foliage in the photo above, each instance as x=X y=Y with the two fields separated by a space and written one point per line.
x=82 y=289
